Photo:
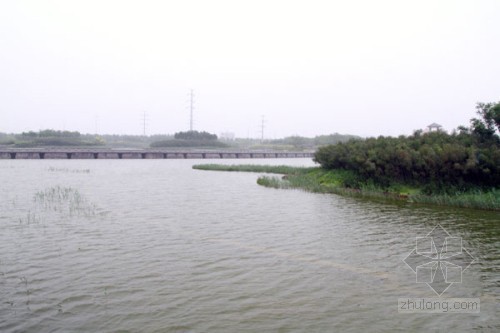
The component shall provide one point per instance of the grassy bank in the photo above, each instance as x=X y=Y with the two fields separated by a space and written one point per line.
x=278 y=169
x=346 y=182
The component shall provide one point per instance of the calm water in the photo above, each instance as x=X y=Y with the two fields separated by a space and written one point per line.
x=154 y=246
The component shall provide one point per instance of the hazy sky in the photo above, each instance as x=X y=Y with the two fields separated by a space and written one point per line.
x=311 y=67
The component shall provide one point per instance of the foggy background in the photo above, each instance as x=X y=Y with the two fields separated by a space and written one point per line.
x=310 y=67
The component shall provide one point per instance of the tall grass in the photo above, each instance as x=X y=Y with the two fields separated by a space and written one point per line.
x=347 y=182
x=273 y=182
x=279 y=169
x=472 y=199
x=65 y=200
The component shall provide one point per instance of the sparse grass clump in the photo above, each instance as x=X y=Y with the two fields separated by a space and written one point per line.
x=65 y=200
x=52 y=169
x=273 y=182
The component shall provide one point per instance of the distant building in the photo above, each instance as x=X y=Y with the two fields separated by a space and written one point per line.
x=434 y=128
x=227 y=136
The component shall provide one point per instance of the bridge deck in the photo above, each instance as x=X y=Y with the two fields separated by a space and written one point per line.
x=85 y=153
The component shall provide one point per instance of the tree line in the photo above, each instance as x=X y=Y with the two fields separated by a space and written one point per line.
x=319 y=140
x=468 y=157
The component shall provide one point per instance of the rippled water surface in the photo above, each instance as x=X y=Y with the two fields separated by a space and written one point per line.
x=154 y=246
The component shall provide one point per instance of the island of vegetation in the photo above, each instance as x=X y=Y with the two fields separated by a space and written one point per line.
x=193 y=139
x=50 y=138
x=457 y=169
x=186 y=139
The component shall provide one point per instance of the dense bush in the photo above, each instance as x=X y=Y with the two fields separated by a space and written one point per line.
x=190 y=139
x=57 y=141
x=50 y=137
x=470 y=157
x=48 y=133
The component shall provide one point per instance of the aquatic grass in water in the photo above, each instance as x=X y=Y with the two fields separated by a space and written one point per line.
x=66 y=200
x=30 y=218
x=52 y=169
x=273 y=182
x=279 y=169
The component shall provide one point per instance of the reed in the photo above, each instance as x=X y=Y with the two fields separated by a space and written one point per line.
x=65 y=200
x=278 y=169
x=67 y=170
x=473 y=199
x=347 y=182
x=273 y=182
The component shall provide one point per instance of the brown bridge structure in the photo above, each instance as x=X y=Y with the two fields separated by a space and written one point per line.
x=87 y=153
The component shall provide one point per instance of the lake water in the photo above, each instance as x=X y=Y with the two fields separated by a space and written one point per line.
x=154 y=246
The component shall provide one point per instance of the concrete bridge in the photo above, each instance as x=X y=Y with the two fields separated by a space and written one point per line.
x=101 y=153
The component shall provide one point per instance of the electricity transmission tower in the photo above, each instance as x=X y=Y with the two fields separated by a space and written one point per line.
x=96 y=124
x=262 y=126
x=191 y=108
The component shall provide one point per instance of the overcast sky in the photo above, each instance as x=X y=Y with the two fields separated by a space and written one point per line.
x=310 y=67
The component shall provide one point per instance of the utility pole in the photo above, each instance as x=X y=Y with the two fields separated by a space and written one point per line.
x=144 y=124
x=191 y=107
x=262 y=125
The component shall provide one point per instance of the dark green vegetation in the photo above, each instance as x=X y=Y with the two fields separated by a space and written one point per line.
x=180 y=139
x=195 y=136
x=438 y=162
x=191 y=139
x=50 y=138
x=66 y=138
x=458 y=169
